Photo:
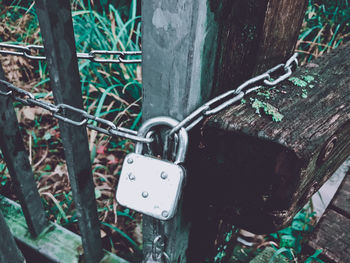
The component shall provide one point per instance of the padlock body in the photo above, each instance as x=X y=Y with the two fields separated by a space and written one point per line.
x=150 y=186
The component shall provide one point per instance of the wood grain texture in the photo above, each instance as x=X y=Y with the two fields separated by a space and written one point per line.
x=178 y=45
x=268 y=170
x=341 y=202
x=332 y=236
x=253 y=36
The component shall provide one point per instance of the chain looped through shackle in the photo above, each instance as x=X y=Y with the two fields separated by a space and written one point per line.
x=271 y=78
x=158 y=253
x=93 y=55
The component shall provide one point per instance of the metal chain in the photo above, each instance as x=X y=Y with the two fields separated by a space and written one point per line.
x=82 y=118
x=271 y=78
x=94 y=55
x=158 y=253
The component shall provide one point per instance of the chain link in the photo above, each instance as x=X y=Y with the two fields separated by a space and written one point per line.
x=158 y=250
x=271 y=78
x=82 y=118
x=28 y=51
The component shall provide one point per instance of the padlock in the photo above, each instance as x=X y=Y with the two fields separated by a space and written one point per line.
x=150 y=185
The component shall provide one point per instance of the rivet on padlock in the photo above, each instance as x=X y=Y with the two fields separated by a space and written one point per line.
x=164 y=175
x=157 y=189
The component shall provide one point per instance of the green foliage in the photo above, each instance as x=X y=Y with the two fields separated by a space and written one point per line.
x=3 y=171
x=291 y=239
x=112 y=91
x=314 y=257
x=268 y=110
x=326 y=26
x=298 y=82
x=124 y=235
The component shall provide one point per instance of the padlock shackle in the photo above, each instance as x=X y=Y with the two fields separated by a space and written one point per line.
x=166 y=121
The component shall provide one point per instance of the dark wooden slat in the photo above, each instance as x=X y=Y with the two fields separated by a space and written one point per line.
x=16 y=157
x=341 y=202
x=179 y=43
x=332 y=236
x=55 y=21
x=9 y=251
x=253 y=36
x=287 y=161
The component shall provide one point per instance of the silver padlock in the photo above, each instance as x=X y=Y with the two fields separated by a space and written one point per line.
x=150 y=185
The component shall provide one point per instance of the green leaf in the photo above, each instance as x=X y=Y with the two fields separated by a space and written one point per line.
x=97 y=193
x=287 y=241
x=116 y=229
x=314 y=257
x=47 y=136
x=299 y=225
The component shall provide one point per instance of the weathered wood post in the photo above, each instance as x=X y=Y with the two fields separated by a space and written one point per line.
x=178 y=45
x=9 y=252
x=193 y=50
x=55 y=20
x=17 y=161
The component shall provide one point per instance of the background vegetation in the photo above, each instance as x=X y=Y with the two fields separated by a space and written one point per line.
x=113 y=91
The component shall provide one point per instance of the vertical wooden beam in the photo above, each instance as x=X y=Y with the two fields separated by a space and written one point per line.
x=56 y=26
x=9 y=251
x=193 y=50
x=17 y=161
x=179 y=48
x=253 y=36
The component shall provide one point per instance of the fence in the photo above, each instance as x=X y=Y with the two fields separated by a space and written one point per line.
x=185 y=44
x=65 y=81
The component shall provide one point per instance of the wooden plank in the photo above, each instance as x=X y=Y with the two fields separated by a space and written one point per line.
x=17 y=161
x=287 y=161
x=56 y=26
x=56 y=244
x=332 y=236
x=9 y=251
x=253 y=36
x=179 y=42
x=341 y=202
x=322 y=199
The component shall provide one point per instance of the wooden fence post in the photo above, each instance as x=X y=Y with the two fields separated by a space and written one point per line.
x=193 y=50
x=178 y=53
x=17 y=161
x=9 y=251
x=56 y=26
